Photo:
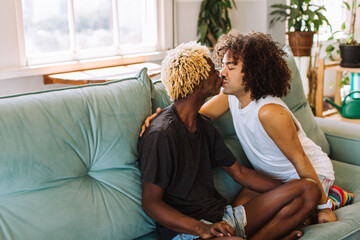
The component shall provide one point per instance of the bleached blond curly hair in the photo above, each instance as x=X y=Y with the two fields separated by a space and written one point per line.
x=183 y=69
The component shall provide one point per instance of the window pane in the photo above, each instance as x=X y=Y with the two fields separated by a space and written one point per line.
x=94 y=24
x=335 y=13
x=46 y=26
x=137 y=22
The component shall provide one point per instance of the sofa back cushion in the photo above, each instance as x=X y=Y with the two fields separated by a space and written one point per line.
x=68 y=166
x=297 y=102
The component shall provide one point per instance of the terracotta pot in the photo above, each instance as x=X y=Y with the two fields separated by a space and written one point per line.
x=350 y=56
x=301 y=43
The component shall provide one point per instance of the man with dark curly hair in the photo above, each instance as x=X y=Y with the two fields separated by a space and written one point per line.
x=180 y=148
x=255 y=76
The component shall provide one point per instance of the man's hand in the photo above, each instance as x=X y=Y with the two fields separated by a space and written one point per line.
x=220 y=229
x=326 y=215
x=148 y=120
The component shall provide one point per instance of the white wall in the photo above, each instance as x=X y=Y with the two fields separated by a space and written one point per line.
x=9 y=50
x=250 y=15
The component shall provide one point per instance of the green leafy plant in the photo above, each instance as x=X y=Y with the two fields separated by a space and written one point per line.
x=347 y=37
x=301 y=16
x=213 y=20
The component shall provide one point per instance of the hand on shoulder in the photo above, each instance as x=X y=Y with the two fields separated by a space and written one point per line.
x=148 y=120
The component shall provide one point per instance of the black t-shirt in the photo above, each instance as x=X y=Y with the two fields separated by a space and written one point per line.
x=181 y=162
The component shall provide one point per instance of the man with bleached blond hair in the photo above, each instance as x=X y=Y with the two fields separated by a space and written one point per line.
x=180 y=148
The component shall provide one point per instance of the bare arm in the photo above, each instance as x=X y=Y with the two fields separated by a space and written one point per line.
x=216 y=106
x=156 y=208
x=279 y=125
x=250 y=178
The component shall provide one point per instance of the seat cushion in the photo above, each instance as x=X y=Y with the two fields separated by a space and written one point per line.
x=68 y=162
x=348 y=224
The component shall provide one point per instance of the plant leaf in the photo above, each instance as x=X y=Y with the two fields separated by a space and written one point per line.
x=329 y=48
x=347 y=5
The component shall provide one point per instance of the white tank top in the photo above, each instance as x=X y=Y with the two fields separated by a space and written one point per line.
x=261 y=150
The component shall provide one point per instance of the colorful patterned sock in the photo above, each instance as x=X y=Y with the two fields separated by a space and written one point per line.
x=340 y=197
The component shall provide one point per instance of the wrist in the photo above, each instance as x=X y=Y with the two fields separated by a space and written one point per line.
x=202 y=228
x=328 y=204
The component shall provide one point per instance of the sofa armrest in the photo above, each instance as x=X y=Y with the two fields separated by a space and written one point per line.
x=344 y=140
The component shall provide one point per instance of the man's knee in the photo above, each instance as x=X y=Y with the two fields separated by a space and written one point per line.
x=311 y=191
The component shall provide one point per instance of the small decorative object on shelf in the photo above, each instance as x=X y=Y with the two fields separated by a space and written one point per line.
x=350 y=107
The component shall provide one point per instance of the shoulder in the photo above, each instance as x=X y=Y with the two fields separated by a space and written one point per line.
x=206 y=121
x=274 y=117
x=162 y=127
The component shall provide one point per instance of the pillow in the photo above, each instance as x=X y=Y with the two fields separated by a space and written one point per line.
x=68 y=163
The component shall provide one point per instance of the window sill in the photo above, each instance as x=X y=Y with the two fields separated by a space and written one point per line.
x=101 y=75
x=79 y=65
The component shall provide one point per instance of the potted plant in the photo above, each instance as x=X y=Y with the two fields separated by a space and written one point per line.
x=303 y=21
x=213 y=20
x=349 y=48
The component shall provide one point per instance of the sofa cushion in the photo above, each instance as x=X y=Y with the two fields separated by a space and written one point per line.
x=348 y=224
x=159 y=96
x=297 y=102
x=68 y=166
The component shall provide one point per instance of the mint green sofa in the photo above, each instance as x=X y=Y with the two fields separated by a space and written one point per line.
x=68 y=161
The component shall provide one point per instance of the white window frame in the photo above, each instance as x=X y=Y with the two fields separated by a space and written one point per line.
x=165 y=42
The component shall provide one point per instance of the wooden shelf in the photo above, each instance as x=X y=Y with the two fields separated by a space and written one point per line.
x=338 y=117
x=320 y=83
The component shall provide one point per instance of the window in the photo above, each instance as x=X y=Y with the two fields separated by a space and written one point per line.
x=64 y=30
x=335 y=13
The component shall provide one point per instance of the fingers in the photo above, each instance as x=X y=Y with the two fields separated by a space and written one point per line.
x=222 y=229
x=148 y=120
x=142 y=130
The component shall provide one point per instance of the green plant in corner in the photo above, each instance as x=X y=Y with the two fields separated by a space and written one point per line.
x=213 y=20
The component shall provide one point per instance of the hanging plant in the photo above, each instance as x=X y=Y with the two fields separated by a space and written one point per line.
x=213 y=20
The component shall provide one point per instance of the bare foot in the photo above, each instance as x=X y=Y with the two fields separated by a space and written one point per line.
x=293 y=235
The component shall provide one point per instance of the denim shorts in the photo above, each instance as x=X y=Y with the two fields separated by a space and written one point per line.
x=235 y=217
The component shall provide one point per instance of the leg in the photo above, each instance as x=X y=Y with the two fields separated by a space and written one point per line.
x=283 y=209
x=244 y=196
x=227 y=238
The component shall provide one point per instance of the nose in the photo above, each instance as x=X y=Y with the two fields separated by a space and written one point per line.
x=223 y=72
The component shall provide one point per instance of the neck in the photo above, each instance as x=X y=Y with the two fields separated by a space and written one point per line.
x=244 y=99
x=187 y=110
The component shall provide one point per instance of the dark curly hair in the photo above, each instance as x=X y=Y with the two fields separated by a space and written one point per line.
x=265 y=70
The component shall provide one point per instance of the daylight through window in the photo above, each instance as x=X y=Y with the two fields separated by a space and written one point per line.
x=61 y=30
